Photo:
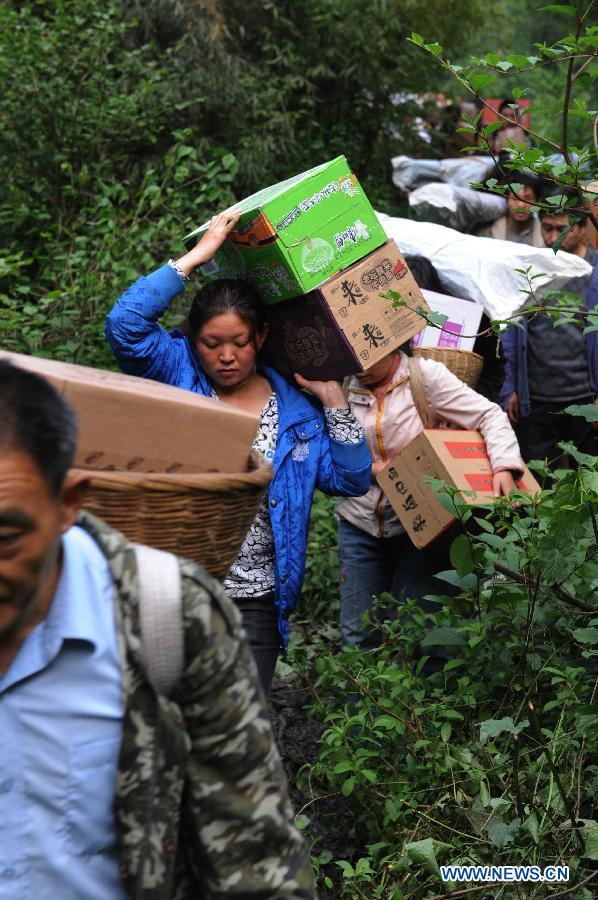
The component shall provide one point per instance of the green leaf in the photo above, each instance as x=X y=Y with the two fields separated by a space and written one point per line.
x=588 y=411
x=481 y=80
x=491 y=128
x=502 y=834
x=531 y=826
x=517 y=60
x=590 y=837
x=451 y=714
x=348 y=786
x=445 y=732
x=443 y=637
x=484 y=793
x=453 y=664
x=584 y=459
x=348 y=870
x=424 y=854
x=586 y=635
x=435 y=49
x=504 y=65
x=461 y=556
x=436 y=318
x=560 y=8
x=493 y=540
x=370 y=775
x=493 y=727
x=362 y=866
x=416 y=39
x=302 y=822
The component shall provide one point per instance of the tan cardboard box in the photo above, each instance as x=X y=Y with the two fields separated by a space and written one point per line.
x=457 y=457
x=135 y=424
x=345 y=325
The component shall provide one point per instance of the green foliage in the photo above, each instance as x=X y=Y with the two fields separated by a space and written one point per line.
x=307 y=81
x=124 y=124
x=560 y=67
x=100 y=177
x=493 y=758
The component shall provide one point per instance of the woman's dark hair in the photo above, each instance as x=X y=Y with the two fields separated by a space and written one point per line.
x=226 y=295
x=517 y=176
x=424 y=273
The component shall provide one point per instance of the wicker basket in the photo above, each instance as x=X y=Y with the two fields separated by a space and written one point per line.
x=465 y=364
x=203 y=517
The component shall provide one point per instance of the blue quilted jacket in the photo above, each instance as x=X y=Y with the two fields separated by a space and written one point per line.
x=143 y=348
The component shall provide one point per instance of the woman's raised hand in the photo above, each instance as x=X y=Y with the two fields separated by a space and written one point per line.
x=213 y=237
x=329 y=393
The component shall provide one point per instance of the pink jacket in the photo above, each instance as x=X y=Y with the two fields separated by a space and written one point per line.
x=391 y=421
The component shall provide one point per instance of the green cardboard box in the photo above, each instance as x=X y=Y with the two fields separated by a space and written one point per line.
x=294 y=235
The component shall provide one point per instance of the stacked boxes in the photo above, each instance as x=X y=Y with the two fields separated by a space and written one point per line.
x=315 y=243
x=345 y=325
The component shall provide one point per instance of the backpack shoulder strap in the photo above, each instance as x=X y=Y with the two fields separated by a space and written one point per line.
x=416 y=384
x=161 y=616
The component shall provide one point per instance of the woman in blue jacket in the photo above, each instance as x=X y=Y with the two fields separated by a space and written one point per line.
x=312 y=443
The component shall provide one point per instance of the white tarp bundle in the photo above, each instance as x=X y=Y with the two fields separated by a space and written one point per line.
x=484 y=269
x=409 y=173
x=457 y=207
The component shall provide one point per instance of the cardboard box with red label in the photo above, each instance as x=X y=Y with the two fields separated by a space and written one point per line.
x=458 y=457
x=345 y=325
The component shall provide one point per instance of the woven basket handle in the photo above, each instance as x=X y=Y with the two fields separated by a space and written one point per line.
x=416 y=383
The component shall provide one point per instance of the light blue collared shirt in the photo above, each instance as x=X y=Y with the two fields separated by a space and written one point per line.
x=61 y=710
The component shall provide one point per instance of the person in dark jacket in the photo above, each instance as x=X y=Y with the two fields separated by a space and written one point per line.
x=312 y=442
x=550 y=367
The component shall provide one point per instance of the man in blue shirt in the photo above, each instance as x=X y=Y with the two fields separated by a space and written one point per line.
x=98 y=773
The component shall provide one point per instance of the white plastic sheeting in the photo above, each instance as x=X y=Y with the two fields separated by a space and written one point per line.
x=409 y=173
x=484 y=269
x=457 y=207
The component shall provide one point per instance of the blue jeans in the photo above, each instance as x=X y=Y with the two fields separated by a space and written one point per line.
x=372 y=565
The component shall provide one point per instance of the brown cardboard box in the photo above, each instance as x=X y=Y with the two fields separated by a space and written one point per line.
x=457 y=457
x=344 y=325
x=135 y=424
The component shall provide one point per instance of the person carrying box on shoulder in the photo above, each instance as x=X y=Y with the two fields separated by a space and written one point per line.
x=312 y=442
x=376 y=554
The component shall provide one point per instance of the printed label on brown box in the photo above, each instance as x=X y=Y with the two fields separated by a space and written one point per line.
x=371 y=324
x=457 y=457
x=345 y=325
